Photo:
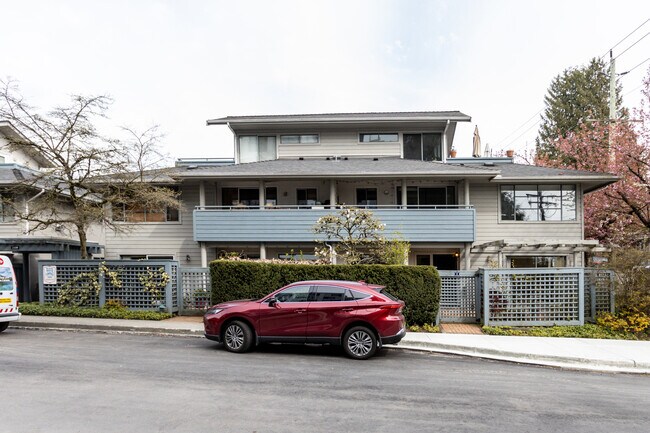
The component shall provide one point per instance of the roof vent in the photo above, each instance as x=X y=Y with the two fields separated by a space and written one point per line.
x=327 y=158
x=300 y=158
x=192 y=167
x=345 y=158
x=375 y=159
x=488 y=164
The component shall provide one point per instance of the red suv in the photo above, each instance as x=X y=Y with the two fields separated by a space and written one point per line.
x=359 y=316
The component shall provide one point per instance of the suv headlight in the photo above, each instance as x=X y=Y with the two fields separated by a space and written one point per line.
x=214 y=310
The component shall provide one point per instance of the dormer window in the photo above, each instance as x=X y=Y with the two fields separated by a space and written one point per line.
x=254 y=148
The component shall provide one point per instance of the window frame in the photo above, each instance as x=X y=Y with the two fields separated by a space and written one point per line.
x=300 y=142
x=378 y=134
x=310 y=291
x=122 y=210
x=509 y=257
x=306 y=189
x=257 y=143
x=447 y=188
x=7 y=214
x=422 y=134
x=576 y=209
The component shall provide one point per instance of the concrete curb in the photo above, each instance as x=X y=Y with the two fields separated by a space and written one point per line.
x=572 y=363
x=108 y=328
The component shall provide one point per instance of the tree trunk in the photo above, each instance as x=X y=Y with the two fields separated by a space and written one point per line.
x=82 y=242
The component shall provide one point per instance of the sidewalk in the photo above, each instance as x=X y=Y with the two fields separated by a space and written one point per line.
x=573 y=353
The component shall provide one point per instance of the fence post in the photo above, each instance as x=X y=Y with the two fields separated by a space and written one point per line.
x=486 y=297
x=592 y=291
x=581 y=296
x=102 y=287
x=41 y=289
x=478 y=289
x=612 y=286
x=168 y=288
x=179 y=289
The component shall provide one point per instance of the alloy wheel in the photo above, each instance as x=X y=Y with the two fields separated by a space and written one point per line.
x=234 y=337
x=360 y=343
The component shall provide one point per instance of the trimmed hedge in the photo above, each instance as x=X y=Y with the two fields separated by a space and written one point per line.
x=34 y=309
x=417 y=286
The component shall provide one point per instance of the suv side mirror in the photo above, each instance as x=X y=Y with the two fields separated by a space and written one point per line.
x=272 y=302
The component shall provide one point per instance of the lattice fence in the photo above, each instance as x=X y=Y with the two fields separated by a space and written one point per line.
x=122 y=281
x=459 y=297
x=599 y=292
x=533 y=297
x=195 y=287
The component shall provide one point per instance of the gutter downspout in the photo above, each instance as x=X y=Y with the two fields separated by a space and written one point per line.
x=234 y=142
x=41 y=192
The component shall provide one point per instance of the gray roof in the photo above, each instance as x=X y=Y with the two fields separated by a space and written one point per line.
x=12 y=133
x=433 y=116
x=13 y=174
x=330 y=168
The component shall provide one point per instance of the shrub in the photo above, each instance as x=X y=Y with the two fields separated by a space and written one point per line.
x=633 y=279
x=417 y=286
x=34 y=309
x=585 y=331
x=633 y=321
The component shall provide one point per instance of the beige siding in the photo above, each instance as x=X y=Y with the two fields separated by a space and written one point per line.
x=489 y=227
x=339 y=143
x=172 y=238
x=15 y=156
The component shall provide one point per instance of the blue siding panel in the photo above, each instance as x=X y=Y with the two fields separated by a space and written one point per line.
x=287 y=225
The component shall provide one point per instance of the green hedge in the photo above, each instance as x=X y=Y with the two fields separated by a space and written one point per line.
x=417 y=286
x=33 y=309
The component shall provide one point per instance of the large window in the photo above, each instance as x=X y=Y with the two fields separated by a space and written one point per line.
x=378 y=137
x=6 y=211
x=247 y=196
x=367 y=197
x=536 y=261
x=299 y=139
x=254 y=148
x=137 y=213
x=307 y=196
x=423 y=147
x=538 y=202
x=427 y=196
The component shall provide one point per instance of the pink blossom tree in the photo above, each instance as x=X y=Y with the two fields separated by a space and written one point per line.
x=618 y=214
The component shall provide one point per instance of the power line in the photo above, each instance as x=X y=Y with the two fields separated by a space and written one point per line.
x=624 y=51
x=521 y=126
x=627 y=72
x=522 y=134
x=630 y=34
x=633 y=90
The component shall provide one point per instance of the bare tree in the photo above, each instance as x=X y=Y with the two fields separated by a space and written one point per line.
x=91 y=173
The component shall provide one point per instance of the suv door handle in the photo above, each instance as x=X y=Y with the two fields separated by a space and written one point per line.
x=347 y=309
x=302 y=310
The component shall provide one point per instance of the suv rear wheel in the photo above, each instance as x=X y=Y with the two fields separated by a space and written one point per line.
x=3 y=326
x=359 y=342
x=237 y=337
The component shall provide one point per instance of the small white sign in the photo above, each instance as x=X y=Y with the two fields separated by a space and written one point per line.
x=49 y=274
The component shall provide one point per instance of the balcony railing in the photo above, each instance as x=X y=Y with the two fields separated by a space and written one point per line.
x=440 y=223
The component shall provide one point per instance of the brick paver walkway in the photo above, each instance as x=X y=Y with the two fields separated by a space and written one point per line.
x=460 y=328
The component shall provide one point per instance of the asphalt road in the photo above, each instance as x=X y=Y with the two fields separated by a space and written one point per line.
x=90 y=382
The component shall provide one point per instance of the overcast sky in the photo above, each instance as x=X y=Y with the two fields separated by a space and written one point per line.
x=179 y=63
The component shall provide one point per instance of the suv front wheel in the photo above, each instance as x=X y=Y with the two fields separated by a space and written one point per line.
x=237 y=337
x=359 y=342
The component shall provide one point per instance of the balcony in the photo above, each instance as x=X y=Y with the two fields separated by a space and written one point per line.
x=295 y=223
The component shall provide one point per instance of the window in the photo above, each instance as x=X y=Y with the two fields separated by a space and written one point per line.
x=423 y=147
x=297 y=256
x=379 y=137
x=538 y=202
x=299 y=139
x=145 y=257
x=307 y=196
x=353 y=294
x=6 y=211
x=367 y=197
x=247 y=196
x=141 y=214
x=536 y=261
x=443 y=262
x=294 y=294
x=428 y=196
x=330 y=294
x=253 y=148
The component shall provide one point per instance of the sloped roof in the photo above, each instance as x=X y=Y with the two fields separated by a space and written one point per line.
x=335 y=168
x=433 y=116
x=11 y=132
x=13 y=174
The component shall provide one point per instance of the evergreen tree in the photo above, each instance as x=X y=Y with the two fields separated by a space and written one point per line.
x=578 y=94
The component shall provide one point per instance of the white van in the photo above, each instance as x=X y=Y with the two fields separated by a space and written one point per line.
x=8 y=294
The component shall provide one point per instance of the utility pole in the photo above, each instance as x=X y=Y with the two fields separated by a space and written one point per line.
x=612 y=106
